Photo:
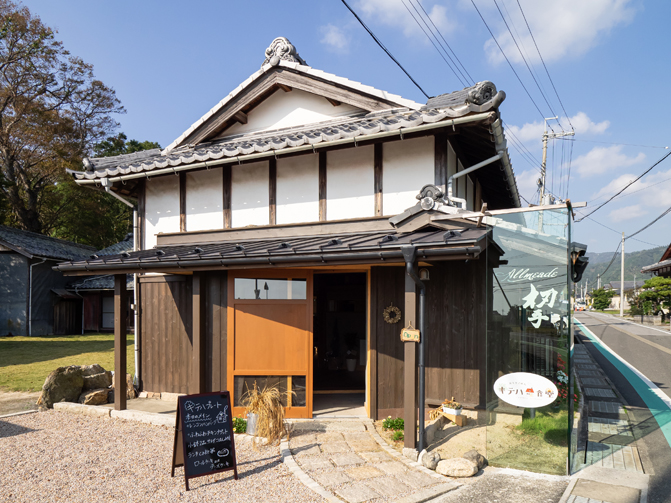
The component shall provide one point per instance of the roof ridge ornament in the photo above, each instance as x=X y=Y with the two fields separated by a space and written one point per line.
x=481 y=92
x=282 y=49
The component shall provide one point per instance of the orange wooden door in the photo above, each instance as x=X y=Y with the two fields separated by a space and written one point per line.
x=270 y=337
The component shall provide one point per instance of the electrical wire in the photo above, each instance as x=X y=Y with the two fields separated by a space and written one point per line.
x=544 y=65
x=432 y=42
x=625 y=187
x=472 y=80
x=610 y=143
x=618 y=232
x=507 y=60
x=384 y=48
x=651 y=223
x=613 y=259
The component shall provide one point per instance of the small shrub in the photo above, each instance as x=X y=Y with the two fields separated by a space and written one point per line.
x=397 y=436
x=395 y=424
x=239 y=425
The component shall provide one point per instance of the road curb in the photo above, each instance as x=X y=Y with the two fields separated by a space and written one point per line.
x=22 y=413
x=304 y=478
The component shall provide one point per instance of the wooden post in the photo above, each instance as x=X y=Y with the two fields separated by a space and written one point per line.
x=120 y=311
x=410 y=369
x=322 y=186
x=198 y=324
x=377 y=183
x=182 y=201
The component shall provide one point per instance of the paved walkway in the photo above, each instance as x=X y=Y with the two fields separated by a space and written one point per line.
x=351 y=461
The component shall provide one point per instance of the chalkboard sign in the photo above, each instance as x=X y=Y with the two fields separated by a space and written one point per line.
x=204 y=428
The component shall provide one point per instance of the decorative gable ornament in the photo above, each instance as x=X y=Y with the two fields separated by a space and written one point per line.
x=282 y=49
x=481 y=93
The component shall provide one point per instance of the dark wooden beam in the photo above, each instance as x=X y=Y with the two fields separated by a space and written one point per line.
x=241 y=117
x=141 y=209
x=335 y=103
x=322 y=186
x=182 y=201
x=377 y=170
x=226 y=205
x=120 y=360
x=272 y=190
x=285 y=88
x=197 y=384
x=440 y=166
x=410 y=369
x=372 y=343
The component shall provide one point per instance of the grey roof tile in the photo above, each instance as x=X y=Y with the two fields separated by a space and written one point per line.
x=39 y=245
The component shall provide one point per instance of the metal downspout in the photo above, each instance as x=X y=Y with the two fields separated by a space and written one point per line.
x=409 y=253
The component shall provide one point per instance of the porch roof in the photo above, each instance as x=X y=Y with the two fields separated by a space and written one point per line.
x=377 y=247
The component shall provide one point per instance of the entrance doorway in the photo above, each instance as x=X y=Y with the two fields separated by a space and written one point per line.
x=340 y=353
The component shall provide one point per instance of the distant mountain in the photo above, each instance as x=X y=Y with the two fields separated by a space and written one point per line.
x=633 y=262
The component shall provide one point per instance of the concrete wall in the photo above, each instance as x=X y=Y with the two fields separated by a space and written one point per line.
x=298 y=189
x=249 y=194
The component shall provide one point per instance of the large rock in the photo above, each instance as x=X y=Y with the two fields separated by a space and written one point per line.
x=96 y=381
x=130 y=389
x=89 y=370
x=94 y=397
x=457 y=467
x=476 y=458
x=429 y=459
x=62 y=385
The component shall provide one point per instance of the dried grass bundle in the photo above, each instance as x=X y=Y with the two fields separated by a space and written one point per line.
x=267 y=403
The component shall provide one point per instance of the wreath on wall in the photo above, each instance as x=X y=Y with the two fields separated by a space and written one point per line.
x=392 y=314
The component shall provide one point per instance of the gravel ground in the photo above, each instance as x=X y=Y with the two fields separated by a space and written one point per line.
x=54 y=456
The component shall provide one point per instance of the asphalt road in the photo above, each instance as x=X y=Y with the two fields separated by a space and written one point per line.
x=649 y=351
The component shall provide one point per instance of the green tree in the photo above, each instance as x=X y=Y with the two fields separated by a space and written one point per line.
x=52 y=112
x=601 y=298
x=98 y=219
x=657 y=291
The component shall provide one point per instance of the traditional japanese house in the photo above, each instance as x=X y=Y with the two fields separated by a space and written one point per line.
x=284 y=236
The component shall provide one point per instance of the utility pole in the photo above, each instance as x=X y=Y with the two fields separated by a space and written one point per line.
x=541 y=182
x=598 y=281
x=622 y=280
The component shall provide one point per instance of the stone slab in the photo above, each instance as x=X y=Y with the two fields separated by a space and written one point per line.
x=331 y=478
x=594 y=381
x=375 y=457
x=430 y=493
x=363 y=472
x=311 y=463
x=306 y=450
x=416 y=479
x=605 y=492
x=392 y=467
x=356 y=493
x=346 y=459
x=335 y=447
x=600 y=392
x=388 y=486
x=371 y=445
x=606 y=407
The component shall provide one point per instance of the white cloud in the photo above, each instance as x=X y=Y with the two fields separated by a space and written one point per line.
x=394 y=13
x=604 y=159
x=533 y=131
x=627 y=213
x=570 y=27
x=653 y=190
x=527 y=183
x=335 y=38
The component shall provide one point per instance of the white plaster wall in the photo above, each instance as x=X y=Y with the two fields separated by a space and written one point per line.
x=294 y=108
x=350 y=181
x=204 y=200
x=298 y=189
x=161 y=207
x=407 y=165
x=249 y=194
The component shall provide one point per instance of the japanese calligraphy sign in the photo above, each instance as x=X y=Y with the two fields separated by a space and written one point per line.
x=204 y=428
x=525 y=390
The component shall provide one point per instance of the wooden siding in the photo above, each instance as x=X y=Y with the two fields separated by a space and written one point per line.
x=216 y=301
x=455 y=335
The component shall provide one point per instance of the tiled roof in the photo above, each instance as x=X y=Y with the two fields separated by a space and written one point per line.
x=33 y=244
x=663 y=266
x=122 y=246
x=105 y=282
x=233 y=147
x=374 y=246
x=628 y=285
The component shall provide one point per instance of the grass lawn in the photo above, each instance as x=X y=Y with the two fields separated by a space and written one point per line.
x=25 y=362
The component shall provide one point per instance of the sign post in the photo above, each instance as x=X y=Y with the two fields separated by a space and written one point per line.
x=204 y=428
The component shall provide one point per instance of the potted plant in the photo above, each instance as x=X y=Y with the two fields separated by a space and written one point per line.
x=452 y=407
x=265 y=413
x=352 y=345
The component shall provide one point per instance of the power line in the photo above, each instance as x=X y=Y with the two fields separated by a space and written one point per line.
x=625 y=187
x=472 y=80
x=618 y=232
x=544 y=65
x=635 y=191
x=613 y=259
x=507 y=60
x=526 y=63
x=384 y=48
x=431 y=40
x=651 y=223
x=610 y=143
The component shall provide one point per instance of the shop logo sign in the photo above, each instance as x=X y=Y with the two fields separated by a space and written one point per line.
x=519 y=275
x=525 y=390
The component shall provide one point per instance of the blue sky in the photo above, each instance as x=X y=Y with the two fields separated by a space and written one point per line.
x=170 y=62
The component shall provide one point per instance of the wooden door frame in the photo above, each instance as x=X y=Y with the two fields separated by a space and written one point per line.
x=290 y=412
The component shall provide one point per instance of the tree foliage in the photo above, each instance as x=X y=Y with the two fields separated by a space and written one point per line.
x=601 y=298
x=52 y=112
x=656 y=294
